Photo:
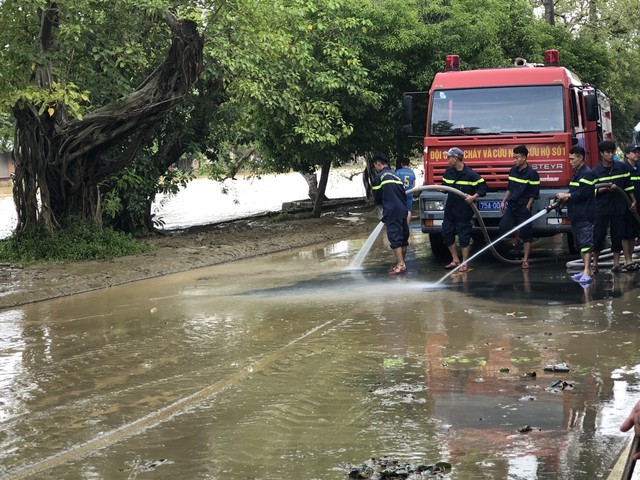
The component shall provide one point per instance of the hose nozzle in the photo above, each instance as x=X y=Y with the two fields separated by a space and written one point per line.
x=556 y=204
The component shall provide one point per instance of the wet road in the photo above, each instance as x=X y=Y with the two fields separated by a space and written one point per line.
x=289 y=366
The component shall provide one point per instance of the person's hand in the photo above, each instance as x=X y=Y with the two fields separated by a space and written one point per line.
x=469 y=199
x=613 y=187
x=633 y=420
x=502 y=207
x=633 y=206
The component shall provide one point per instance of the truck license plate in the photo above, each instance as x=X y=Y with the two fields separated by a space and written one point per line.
x=484 y=205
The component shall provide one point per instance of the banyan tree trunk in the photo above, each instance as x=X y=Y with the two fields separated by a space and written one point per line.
x=60 y=164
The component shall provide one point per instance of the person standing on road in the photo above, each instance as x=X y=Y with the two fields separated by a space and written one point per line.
x=457 y=210
x=388 y=191
x=581 y=206
x=522 y=190
x=631 y=226
x=611 y=206
x=408 y=178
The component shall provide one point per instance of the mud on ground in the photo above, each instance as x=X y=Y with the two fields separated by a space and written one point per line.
x=180 y=251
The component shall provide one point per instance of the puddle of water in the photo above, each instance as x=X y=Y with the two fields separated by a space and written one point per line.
x=288 y=366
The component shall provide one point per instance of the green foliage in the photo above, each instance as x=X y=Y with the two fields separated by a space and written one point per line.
x=77 y=242
x=128 y=194
x=292 y=84
x=297 y=72
x=96 y=52
x=6 y=132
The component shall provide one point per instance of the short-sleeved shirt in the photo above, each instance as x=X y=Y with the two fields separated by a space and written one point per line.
x=523 y=185
x=467 y=181
x=407 y=176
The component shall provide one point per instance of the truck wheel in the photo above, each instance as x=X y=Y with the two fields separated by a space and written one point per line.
x=438 y=248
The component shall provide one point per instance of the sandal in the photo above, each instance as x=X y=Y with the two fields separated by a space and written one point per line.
x=463 y=268
x=525 y=265
x=398 y=270
x=452 y=265
x=628 y=268
x=616 y=269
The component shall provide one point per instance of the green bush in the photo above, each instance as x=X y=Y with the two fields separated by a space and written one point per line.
x=79 y=242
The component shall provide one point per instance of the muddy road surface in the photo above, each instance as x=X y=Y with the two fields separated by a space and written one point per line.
x=289 y=365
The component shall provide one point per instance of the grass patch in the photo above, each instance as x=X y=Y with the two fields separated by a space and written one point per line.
x=79 y=242
x=280 y=217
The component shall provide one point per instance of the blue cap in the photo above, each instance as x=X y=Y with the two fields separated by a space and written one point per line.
x=454 y=152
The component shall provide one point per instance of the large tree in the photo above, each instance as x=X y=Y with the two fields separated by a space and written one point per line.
x=63 y=150
x=307 y=78
x=605 y=41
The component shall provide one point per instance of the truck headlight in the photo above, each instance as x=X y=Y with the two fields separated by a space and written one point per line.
x=432 y=205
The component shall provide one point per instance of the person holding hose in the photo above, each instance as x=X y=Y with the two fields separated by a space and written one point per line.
x=457 y=210
x=611 y=207
x=631 y=226
x=522 y=190
x=581 y=205
x=388 y=191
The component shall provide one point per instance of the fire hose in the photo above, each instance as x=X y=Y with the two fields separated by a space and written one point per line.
x=553 y=206
x=476 y=212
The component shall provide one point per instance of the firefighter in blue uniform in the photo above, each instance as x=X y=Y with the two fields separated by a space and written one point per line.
x=631 y=226
x=611 y=206
x=457 y=210
x=388 y=191
x=581 y=208
x=523 y=189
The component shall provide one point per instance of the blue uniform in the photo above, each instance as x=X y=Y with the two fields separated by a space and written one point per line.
x=408 y=179
x=457 y=212
x=581 y=208
x=523 y=185
x=388 y=191
x=611 y=207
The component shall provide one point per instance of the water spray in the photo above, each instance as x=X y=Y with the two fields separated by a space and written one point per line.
x=483 y=228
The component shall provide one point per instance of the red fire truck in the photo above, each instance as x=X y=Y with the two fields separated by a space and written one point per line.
x=487 y=112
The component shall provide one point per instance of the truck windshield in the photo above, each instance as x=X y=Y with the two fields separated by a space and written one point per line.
x=490 y=111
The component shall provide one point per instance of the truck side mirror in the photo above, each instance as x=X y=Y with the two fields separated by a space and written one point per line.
x=407 y=114
x=591 y=108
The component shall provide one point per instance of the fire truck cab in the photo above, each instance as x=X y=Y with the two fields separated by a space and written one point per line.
x=486 y=113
